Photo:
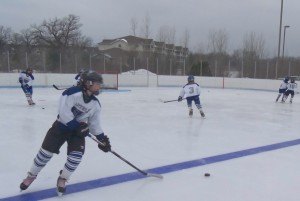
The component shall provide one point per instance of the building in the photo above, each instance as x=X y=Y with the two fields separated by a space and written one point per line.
x=131 y=52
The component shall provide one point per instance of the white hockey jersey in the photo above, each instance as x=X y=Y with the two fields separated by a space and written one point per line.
x=73 y=108
x=283 y=85
x=291 y=86
x=189 y=90
x=25 y=78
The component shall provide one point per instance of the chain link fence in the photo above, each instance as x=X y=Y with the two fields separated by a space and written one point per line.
x=71 y=61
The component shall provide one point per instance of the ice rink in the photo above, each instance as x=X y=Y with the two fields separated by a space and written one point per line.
x=248 y=143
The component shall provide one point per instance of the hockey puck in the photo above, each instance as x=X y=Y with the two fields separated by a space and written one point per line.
x=207 y=174
x=43 y=108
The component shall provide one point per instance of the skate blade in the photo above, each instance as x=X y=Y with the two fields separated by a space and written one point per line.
x=59 y=194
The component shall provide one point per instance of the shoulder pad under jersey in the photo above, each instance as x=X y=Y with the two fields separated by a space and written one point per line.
x=71 y=90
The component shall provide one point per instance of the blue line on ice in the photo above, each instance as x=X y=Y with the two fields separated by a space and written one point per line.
x=107 y=181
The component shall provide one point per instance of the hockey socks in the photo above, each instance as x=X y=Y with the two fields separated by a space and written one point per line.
x=73 y=160
x=41 y=159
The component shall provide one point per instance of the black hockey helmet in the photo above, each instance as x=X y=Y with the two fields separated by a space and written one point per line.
x=286 y=79
x=191 y=78
x=29 y=70
x=88 y=78
x=292 y=80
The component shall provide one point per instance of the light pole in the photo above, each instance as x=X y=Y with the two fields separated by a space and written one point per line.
x=279 y=40
x=285 y=27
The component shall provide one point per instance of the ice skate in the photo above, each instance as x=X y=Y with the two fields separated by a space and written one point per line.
x=61 y=185
x=190 y=112
x=27 y=181
x=291 y=100
x=202 y=114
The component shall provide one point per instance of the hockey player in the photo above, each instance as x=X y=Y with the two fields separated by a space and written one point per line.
x=78 y=115
x=282 y=88
x=78 y=77
x=26 y=78
x=191 y=91
x=290 y=90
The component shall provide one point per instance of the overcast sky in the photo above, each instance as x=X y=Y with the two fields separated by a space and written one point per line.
x=109 y=19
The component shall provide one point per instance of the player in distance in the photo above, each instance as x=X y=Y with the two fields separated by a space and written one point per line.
x=282 y=88
x=290 y=90
x=191 y=91
x=26 y=78
x=78 y=77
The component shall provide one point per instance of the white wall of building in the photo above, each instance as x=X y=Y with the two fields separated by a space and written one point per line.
x=150 y=80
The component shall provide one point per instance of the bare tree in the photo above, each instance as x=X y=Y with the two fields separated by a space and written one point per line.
x=166 y=34
x=133 y=25
x=28 y=37
x=145 y=29
x=218 y=41
x=254 y=44
x=58 y=32
x=185 y=38
x=5 y=36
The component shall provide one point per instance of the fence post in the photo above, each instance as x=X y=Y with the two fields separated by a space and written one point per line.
x=201 y=68
x=44 y=62
x=76 y=67
x=133 y=65
x=184 y=66
x=157 y=66
x=216 y=64
x=90 y=61
x=157 y=72
x=229 y=67
x=147 y=60
x=60 y=69
x=276 y=70
x=8 y=63
x=289 y=68
x=242 y=67
x=254 y=69
x=170 y=66
x=104 y=67
x=26 y=59
x=121 y=61
x=267 y=69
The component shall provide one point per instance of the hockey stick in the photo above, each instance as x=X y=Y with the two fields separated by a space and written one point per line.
x=123 y=159
x=64 y=88
x=168 y=101
x=59 y=88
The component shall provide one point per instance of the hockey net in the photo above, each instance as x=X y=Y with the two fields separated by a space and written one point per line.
x=110 y=79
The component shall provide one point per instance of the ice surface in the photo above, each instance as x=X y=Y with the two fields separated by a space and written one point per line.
x=152 y=134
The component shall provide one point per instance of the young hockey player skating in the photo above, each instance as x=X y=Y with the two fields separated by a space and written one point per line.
x=290 y=90
x=191 y=91
x=78 y=115
x=282 y=88
x=26 y=78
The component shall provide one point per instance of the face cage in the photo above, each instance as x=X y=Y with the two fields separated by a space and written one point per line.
x=89 y=83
